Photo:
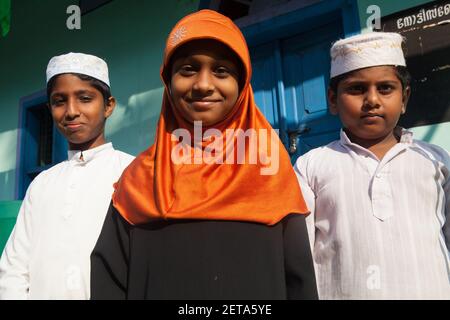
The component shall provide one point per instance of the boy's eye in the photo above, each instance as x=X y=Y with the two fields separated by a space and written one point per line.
x=355 y=89
x=85 y=99
x=385 y=88
x=57 y=101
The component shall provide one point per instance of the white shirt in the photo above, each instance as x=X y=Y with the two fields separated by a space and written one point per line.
x=47 y=255
x=378 y=229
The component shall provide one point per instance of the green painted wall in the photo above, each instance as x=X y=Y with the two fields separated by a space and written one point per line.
x=8 y=215
x=129 y=34
x=438 y=134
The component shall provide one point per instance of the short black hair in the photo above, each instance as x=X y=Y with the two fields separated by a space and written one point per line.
x=97 y=84
x=402 y=74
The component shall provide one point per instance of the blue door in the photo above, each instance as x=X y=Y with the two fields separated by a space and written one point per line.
x=290 y=79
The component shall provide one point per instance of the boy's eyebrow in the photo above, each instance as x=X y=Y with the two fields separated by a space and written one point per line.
x=79 y=92
x=84 y=91
x=358 y=80
x=62 y=93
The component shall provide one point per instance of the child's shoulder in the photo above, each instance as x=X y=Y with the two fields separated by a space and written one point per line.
x=318 y=157
x=319 y=152
x=41 y=180
x=123 y=158
x=435 y=152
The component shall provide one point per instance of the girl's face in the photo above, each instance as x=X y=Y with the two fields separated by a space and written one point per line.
x=79 y=111
x=204 y=83
x=369 y=102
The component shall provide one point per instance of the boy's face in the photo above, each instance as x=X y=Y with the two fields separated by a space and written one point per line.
x=369 y=102
x=204 y=81
x=79 y=111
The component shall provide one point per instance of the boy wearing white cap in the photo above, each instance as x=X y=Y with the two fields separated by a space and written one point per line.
x=379 y=200
x=48 y=253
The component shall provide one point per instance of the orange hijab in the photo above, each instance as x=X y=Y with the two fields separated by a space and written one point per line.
x=155 y=187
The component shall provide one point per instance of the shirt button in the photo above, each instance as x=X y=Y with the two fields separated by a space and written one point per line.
x=378 y=175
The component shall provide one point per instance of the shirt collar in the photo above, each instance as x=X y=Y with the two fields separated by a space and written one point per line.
x=406 y=137
x=88 y=155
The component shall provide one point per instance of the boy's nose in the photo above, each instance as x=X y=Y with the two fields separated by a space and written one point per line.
x=72 y=110
x=372 y=98
x=204 y=82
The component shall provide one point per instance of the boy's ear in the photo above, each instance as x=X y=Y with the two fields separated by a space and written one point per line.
x=332 y=101
x=109 y=107
x=405 y=99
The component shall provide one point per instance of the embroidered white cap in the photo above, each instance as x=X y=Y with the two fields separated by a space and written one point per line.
x=78 y=63
x=366 y=50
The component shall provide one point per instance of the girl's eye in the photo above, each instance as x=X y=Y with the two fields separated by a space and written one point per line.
x=186 y=70
x=222 y=71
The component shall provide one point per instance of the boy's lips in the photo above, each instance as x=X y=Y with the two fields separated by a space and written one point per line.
x=371 y=119
x=371 y=115
x=73 y=126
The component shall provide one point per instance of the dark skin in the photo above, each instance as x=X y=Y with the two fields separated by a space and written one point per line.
x=369 y=103
x=79 y=112
x=204 y=82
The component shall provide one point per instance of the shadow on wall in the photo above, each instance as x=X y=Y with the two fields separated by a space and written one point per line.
x=8 y=141
x=436 y=134
x=132 y=126
x=430 y=133
x=7 y=184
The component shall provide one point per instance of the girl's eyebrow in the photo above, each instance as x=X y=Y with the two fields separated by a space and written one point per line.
x=221 y=58
x=56 y=94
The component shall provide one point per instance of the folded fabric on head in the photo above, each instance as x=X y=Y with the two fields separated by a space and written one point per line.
x=366 y=50
x=78 y=63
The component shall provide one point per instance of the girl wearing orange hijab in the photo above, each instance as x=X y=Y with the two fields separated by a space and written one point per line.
x=212 y=209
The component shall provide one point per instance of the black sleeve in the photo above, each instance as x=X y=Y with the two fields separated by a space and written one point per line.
x=300 y=277
x=109 y=259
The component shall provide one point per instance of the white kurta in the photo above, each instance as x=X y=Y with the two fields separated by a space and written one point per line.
x=379 y=229
x=48 y=253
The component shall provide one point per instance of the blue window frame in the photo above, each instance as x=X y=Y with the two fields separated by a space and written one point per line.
x=40 y=144
x=290 y=79
x=290 y=58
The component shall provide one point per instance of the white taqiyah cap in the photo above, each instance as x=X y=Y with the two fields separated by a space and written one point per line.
x=366 y=50
x=78 y=63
